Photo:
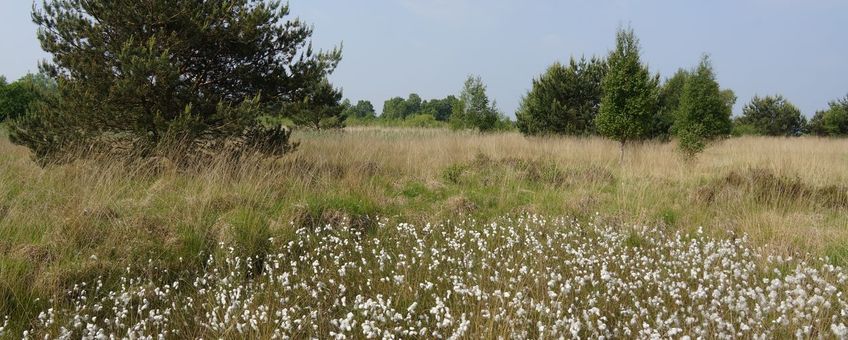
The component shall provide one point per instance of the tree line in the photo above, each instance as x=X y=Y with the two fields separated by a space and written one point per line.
x=211 y=75
x=619 y=98
x=470 y=109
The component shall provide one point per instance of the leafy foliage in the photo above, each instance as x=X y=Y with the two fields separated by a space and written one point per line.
x=703 y=113
x=440 y=109
x=399 y=108
x=17 y=98
x=474 y=111
x=164 y=70
x=772 y=116
x=630 y=97
x=564 y=100
x=833 y=121
x=394 y=108
x=669 y=102
x=691 y=140
x=362 y=109
x=413 y=104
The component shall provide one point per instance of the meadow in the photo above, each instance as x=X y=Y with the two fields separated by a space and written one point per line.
x=333 y=240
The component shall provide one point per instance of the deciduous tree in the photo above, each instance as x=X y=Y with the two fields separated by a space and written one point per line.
x=362 y=109
x=703 y=112
x=441 y=109
x=630 y=98
x=19 y=97
x=474 y=110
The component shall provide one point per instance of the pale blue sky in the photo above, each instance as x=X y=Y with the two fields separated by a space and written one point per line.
x=391 y=48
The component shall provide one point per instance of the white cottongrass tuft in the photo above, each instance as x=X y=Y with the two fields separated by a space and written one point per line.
x=526 y=277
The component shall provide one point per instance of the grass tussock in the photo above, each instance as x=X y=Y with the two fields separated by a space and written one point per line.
x=61 y=225
x=764 y=186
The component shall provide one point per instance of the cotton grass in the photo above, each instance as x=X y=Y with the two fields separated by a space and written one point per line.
x=519 y=277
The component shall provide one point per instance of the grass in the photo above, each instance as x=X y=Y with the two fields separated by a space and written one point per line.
x=73 y=223
x=524 y=277
x=414 y=121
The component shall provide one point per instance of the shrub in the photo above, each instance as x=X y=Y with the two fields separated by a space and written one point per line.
x=691 y=140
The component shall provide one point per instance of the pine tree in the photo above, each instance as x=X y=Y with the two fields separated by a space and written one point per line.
x=630 y=97
x=835 y=120
x=703 y=114
x=159 y=70
x=320 y=109
x=564 y=100
x=772 y=116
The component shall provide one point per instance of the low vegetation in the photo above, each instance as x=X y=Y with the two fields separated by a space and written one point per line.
x=112 y=220
x=523 y=277
x=149 y=188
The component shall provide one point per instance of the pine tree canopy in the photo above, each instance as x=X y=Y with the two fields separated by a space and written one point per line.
x=563 y=100
x=772 y=116
x=167 y=68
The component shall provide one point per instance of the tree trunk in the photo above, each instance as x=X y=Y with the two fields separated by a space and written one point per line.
x=621 y=153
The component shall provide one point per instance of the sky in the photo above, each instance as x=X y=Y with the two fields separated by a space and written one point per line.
x=395 y=47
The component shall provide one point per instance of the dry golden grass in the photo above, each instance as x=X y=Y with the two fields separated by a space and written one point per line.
x=789 y=194
x=651 y=171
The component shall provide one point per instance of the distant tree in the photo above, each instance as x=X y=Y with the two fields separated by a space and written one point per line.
x=19 y=97
x=3 y=85
x=672 y=90
x=394 y=108
x=670 y=94
x=399 y=108
x=833 y=121
x=440 y=109
x=320 y=109
x=630 y=98
x=474 y=110
x=816 y=124
x=836 y=122
x=362 y=109
x=703 y=112
x=772 y=116
x=563 y=100
x=729 y=98
x=158 y=70
x=669 y=102
x=413 y=105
